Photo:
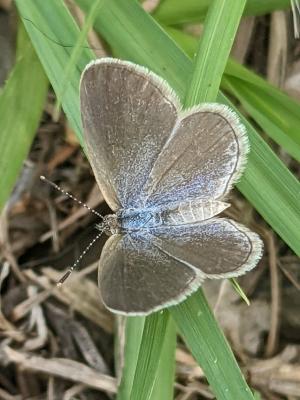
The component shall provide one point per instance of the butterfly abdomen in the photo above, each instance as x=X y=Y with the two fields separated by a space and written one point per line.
x=191 y=211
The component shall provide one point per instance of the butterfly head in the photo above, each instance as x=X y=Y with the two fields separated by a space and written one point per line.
x=110 y=224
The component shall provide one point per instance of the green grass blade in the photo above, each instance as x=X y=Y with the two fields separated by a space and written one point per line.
x=164 y=383
x=276 y=113
x=239 y=290
x=79 y=45
x=273 y=110
x=173 y=12
x=149 y=355
x=133 y=337
x=54 y=33
x=21 y=106
x=267 y=183
x=201 y=333
x=279 y=124
x=220 y=27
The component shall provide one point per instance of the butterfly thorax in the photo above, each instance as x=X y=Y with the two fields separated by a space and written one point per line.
x=136 y=219
x=129 y=220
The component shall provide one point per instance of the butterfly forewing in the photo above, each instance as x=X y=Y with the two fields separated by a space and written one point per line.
x=144 y=151
x=128 y=114
x=203 y=157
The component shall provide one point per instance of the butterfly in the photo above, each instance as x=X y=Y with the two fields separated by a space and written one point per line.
x=165 y=173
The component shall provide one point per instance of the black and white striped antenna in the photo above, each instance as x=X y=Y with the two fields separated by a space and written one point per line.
x=76 y=263
x=43 y=178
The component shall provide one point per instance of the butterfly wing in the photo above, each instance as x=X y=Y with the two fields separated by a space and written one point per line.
x=136 y=277
x=144 y=151
x=127 y=114
x=203 y=158
x=216 y=248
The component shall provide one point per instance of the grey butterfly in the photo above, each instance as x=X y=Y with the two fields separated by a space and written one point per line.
x=165 y=174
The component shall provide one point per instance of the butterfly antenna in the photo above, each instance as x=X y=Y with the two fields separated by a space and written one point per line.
x=43 y=178
x=75 y=265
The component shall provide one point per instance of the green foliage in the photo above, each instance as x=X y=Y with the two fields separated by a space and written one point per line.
x=133 y=336
x=220 y=27
x=154 y=335
x=173 y=12
x=76 y=51
x=54 y=34
x=276 y=113
x=21 y=105
x=210 y=348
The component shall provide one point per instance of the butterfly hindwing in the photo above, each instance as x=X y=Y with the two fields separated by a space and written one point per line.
x=136 y=278
x=217 y=247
